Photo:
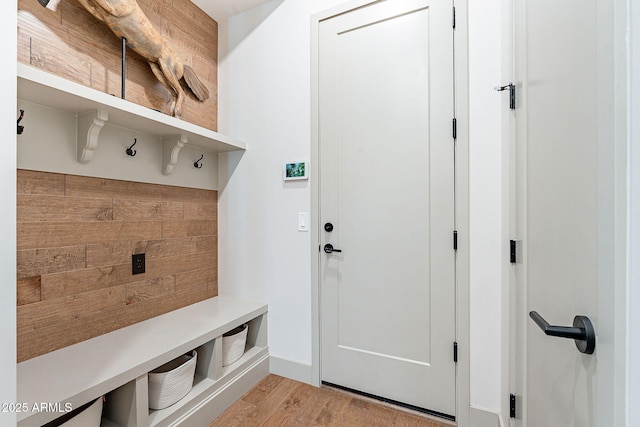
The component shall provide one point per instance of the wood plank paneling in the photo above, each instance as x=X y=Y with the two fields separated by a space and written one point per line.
x=24 y=47
x=52 y=312
x=207 y=278
x=73 y=282
x=195 y=24
x=207 y=243
x=58 y=208
x=35 y=262
x=31 y=182
x=200 y=211
x=73 y=44
x=182 y=194
x=55 y=56
x=209 y=71
x=148 y=289
x=111 y=253
x=174 y=210
x=55 y=234
x=34 y=342
x=188 y=228
x=167 y=247
x=132 y=210
x=182 y=36
x=75 y=239
x=28 y=290
x=82 y=186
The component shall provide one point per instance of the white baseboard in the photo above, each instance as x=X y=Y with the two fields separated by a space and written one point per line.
x=483 y=418
x=290 y=369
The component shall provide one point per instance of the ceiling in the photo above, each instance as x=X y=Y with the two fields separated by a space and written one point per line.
x=222 y=9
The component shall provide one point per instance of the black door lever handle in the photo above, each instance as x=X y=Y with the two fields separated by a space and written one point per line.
x=582 y=331
x=328 y=248
x=512 y=94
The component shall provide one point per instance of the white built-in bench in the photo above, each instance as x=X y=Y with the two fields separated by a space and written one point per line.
x=116 y=365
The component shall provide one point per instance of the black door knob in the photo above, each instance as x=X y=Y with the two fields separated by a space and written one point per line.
x=328 y=227
x=328 y=248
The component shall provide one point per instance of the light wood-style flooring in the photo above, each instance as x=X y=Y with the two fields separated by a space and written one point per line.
x=278 y=401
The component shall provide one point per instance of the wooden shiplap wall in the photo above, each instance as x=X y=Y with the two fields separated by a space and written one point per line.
x=73 y=44
x=75 y=238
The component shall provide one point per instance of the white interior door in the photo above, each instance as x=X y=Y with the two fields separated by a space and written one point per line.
x=387 y=189
x=565 y=208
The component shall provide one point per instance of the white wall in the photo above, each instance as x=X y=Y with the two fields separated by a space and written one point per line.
x=264 y=93
x=8 y=114
x=264 y=99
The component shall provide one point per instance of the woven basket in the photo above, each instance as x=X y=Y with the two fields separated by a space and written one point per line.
x=233 y=343
x=172 y=381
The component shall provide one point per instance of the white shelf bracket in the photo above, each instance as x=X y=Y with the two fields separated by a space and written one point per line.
x=89 y=127
x=171 y=146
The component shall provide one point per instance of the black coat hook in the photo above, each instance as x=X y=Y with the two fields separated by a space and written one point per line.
x=20 y=128
x=197 y=164
x=130 y=150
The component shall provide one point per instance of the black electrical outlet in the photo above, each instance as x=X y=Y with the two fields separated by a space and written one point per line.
x=137 y=263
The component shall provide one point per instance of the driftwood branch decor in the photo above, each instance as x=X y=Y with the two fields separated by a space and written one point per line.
x=126 y=19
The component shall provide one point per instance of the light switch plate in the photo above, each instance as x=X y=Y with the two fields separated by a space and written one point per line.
x=303 y=221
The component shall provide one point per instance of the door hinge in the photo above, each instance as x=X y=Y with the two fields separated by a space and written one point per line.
x=513 y=253
x=512 y=96
x=454 y=128
x=453 y=19
x=455 y=240
x=512 y=405
x=455 y=352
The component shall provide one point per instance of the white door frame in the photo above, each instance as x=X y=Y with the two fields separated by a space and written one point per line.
x=461 y=199
x=633 y=220
x=622 y=409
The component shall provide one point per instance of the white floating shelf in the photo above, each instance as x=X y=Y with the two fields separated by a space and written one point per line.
x=40 y=87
